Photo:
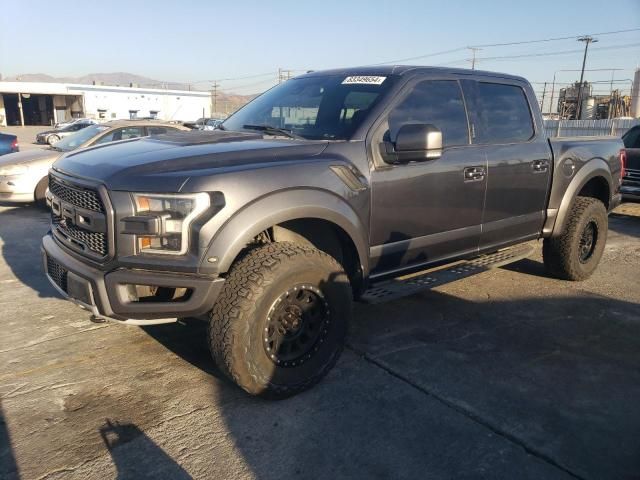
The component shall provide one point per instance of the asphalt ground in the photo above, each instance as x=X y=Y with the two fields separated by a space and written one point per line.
x=506 y=374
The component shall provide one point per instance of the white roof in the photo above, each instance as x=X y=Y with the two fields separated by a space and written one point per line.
x=78 y=89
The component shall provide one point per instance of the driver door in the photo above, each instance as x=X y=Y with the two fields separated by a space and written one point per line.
x=429 y=210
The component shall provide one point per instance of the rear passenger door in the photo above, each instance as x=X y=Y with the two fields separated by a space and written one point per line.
x=519 y=160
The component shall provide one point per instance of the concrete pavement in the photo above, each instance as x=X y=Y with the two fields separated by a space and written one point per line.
x=505 y=374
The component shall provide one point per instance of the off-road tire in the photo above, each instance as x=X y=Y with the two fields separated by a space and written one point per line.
x=254 y=286
x=562 y=254
x=40 y=193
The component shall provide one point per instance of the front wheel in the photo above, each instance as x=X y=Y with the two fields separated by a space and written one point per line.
x=51 y=139
x=576 y=252
x=40 y=193
x=281 y=320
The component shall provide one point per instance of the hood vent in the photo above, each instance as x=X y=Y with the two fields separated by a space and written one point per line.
x=200 y=138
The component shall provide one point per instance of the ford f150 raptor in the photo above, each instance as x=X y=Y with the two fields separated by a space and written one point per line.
x=315 y=191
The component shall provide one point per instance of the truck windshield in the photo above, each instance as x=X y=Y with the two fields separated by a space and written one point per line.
x=315 y=107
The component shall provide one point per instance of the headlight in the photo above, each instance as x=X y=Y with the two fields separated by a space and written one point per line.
x=166 y=219
x=14 y=169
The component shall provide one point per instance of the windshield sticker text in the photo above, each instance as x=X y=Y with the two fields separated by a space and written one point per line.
x=363 y=80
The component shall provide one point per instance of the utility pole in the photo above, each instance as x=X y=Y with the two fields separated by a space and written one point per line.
x=214 y=98
x=473 y=59
x=587 y=39
x=283 y=75
x=544 y=91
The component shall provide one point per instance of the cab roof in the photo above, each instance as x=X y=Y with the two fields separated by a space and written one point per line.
x=400 y=70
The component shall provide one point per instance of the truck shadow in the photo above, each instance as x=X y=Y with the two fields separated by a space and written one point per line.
x=555 y=376
x=8 y=465
x=626 y=223
x=21 y=231
x=136 y=456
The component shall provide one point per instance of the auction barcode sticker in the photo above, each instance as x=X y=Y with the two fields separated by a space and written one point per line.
x=363 y=80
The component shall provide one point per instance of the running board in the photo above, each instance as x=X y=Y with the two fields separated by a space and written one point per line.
x=417 y=282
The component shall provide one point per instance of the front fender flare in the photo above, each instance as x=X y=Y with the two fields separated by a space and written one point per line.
x=279 y=207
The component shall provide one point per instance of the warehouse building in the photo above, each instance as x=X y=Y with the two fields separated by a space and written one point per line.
x=39 y=103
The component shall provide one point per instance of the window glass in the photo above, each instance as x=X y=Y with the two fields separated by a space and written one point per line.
x=315 y=107
x=160 y=130
x=502 y=114
x=631 y=139
x=121 y=134
x=438 y=102
x=75 y=140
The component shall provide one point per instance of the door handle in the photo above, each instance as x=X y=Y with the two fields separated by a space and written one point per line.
x=474 y=174
x=540 y=166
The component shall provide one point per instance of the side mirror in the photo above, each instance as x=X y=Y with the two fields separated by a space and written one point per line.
x=418 y=141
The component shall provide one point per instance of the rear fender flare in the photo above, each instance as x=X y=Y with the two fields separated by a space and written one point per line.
x=596 y=167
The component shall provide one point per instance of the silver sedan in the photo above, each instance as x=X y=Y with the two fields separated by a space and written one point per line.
x=24 y=176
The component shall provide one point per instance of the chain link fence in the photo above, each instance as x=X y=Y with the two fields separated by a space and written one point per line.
x=588 y=128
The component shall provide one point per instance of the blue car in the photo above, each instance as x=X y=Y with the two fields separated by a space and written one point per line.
x=8 y=143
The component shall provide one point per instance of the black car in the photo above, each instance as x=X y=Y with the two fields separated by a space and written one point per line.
x=631 y=180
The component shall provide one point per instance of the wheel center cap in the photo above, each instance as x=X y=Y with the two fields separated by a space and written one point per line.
x=292 y=319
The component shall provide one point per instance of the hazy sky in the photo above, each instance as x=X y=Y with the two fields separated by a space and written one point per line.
x=193 y=41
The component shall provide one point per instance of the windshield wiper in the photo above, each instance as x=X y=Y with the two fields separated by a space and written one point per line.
x=270 y=130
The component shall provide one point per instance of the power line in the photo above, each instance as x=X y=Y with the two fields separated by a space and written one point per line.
x=488 y=45
x=572 y=37
x=549 y=54
x=434 y=54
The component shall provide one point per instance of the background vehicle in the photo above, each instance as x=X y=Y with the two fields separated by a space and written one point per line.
x=631 y=181
x=72 y=121
x=52 y=136
x=211 y=124
x=203 y=123
x=23 y=176
x=8 y=144
x=327 y=184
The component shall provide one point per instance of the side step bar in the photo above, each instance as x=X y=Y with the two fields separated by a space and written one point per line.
x=408 y=285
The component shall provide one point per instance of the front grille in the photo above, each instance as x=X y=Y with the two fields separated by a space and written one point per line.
x=73 y=207
x=94 y=241
x=79 y=197
x=57 y=273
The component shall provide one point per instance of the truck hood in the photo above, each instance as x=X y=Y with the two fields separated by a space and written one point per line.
x=164 y=163
x=30 y=158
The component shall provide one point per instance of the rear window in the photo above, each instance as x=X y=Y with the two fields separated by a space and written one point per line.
x=631 y=139
x=502 y=114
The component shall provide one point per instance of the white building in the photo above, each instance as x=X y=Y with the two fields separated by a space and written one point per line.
x=38 y=103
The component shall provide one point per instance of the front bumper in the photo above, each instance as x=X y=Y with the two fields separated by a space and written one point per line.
x=105 y=295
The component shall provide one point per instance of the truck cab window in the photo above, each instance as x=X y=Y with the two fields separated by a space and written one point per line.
x=502 y=114
x=438 y=102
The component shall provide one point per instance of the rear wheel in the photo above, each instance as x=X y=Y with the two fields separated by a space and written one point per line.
x=281 y=320
x=576 y=252
x=40 y=192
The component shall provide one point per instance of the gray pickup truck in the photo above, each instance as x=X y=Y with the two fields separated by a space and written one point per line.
x=310 y=195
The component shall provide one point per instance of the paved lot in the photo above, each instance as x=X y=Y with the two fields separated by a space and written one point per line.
x=507 y=374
